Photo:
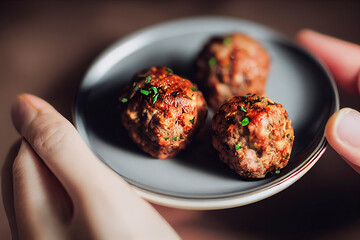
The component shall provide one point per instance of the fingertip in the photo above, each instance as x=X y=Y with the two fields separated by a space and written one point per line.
x=32 y=100
x=343 y=133
x=18 y=112
x=24 y=108
x=310 y=39
x=303 y=35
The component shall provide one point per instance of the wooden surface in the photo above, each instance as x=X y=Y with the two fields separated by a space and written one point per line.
x=45 y=48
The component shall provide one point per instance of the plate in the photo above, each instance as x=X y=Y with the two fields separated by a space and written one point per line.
x=196 y=179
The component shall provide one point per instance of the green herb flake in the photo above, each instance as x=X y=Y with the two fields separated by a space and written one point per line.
x=212 y=62
x=148 y=78
x=175 y=138
x=245 y=122
x=193 y=88
x=154 y=90
x=248 y=95
x=287 y=155
x=192 y=120
x=228 y=66
x=237 y=147
x=134 y=84
x=166 y=138
x=124 y=100
x=155 y=98
x=169 y=70
x=227 y=41
x=277 y=171
x=145 y=92
x=136 y=88
x=242 y=109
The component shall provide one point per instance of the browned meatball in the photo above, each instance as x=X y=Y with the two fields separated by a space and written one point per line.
x=231 y=66
x=161 y=111
x=252 y=135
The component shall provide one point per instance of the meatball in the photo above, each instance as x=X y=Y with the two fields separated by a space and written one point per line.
x=231 y=66
x=162 y=111
x=252 y=135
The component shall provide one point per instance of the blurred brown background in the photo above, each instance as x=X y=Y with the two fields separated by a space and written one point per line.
x=45 y=48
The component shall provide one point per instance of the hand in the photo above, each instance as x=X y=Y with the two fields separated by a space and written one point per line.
x=343 y=60
x=58 y=189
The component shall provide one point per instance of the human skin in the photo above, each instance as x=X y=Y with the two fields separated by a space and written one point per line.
x=56 y=188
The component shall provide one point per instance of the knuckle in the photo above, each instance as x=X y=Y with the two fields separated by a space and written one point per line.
x=48 y=135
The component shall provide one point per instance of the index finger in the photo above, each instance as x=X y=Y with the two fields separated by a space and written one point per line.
x=341 y=57
x=7 y=188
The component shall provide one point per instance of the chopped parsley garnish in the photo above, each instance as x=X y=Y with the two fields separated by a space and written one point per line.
x=155 y=98
x=148 y=78
x=134 y=84
x=169 y=70
x=248 y=95
x=242 y=109
x=156 y=93
x=192 y=120
x=228 y=66
x=136 y=88
x=277 y=171
x=145 y=92
x=166 y=138
x=227 y=41
x=155 y=90
x=174 y=138
x=124 y=100
x=212 y=62
x=245 y=122
x=287 y=155
x=237 y=146
x=193 y=88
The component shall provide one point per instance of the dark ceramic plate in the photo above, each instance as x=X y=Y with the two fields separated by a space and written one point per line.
x=196 y=178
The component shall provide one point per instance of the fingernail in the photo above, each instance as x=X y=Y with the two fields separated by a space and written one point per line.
x=23 y=110
x=348 y=127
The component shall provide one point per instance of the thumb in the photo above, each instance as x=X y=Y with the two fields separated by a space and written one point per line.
x=343 y=133
x=57 y=143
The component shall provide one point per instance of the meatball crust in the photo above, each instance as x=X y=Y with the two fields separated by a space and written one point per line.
x=161 y=111
x=231 y=66
x=252 y=135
